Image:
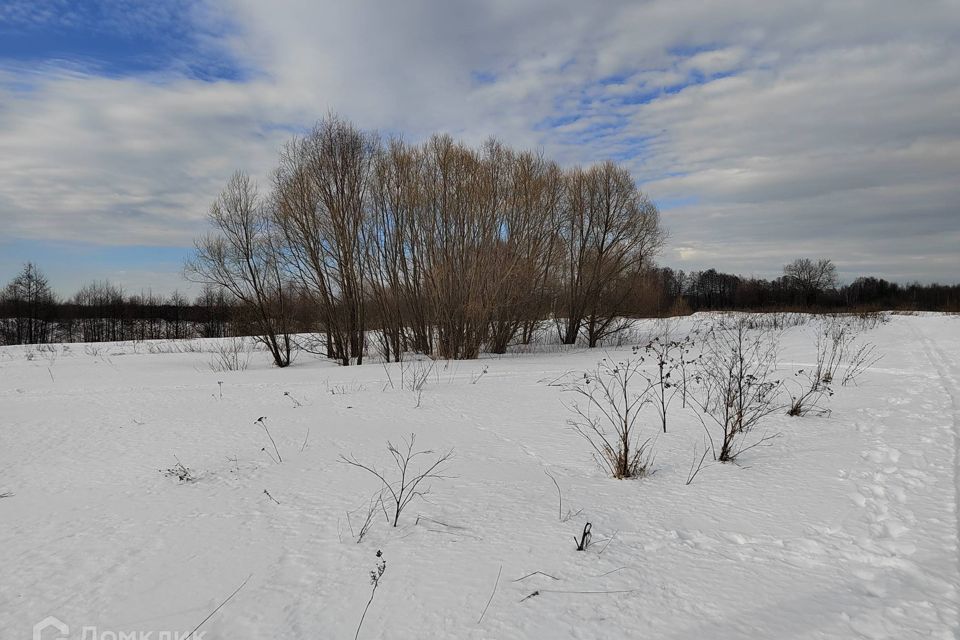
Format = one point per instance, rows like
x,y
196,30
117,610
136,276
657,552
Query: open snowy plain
x,y
843,526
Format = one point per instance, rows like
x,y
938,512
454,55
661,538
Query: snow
x,y
844,526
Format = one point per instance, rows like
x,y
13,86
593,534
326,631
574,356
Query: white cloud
x,y
842,113
124,161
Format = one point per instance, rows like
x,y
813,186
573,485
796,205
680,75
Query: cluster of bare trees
x,y
810,285
31,313
26,304
437,248
810,278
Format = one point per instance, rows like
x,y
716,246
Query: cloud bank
x,y
764,131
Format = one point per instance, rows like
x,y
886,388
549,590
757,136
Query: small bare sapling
x,y
812,385
612,397
410,483
862,359
368,512
671,358
837,349
414,376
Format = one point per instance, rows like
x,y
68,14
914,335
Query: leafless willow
x,y
320,194
610,232
243,255
437,248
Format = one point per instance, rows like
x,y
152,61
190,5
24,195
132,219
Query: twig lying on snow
x,y
190,635
270,496
553,383
590,592
602,575
495,585
442,524
536,573
608,542
453,533
539,591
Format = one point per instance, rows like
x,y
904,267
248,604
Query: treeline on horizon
x,y
103,312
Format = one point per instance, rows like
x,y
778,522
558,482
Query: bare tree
x,y
462,200
396,253
100,304
244,257
526,254
809,278
29,300
216,312
610,233
177,326
320,194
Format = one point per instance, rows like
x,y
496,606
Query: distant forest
x,y
30,313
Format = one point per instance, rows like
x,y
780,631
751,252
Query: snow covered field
x,y
845,526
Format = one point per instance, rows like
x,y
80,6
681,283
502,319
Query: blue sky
x,y
825,129
70,265
114,38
